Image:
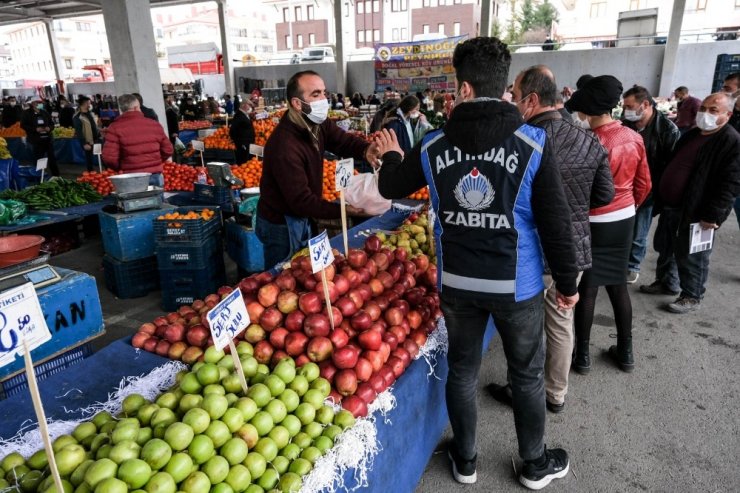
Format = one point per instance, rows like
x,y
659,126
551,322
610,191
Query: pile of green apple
x,y
204,435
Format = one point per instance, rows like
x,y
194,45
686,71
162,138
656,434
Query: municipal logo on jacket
x,y
484,227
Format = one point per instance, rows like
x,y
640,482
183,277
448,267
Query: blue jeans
x,y
275,241
643,219
156,180
737,210
677,269
522,334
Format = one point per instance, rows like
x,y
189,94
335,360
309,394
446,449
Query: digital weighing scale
x,y
140,201
37,271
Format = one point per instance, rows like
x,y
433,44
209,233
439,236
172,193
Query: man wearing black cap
x,y
38,126
498,194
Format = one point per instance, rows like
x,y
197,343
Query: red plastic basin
x,y
17,249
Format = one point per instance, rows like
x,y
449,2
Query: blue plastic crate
x,y
244,248
190,256
55,364
187,230
211,194
130,236
182,287
132,279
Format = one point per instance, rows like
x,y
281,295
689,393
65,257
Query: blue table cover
x,y
69,151
186,136
20,149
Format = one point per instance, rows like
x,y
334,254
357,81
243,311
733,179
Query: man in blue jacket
x,y
499,203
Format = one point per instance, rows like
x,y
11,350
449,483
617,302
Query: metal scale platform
x,y
37,271
140,201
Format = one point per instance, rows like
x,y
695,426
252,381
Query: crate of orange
x,y
187,225
14,130
219,140
250,172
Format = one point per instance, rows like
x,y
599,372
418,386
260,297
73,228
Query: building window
x,y
360,36
441,3
404,34
634,4
89,61
68,63
298,14
702,4
288,43
598,9
106,62
368,35
346,9
82,26
239,33
311,39
286,14
376,35
376,5
309,12
399,5
360,7
241,47
427,3
395,34
458,2
456,29
425,29
441,28
300,41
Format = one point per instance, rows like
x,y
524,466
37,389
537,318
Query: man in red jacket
x,y
136,144
292,174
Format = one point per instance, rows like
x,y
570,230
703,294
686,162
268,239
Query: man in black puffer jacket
x,y
587,181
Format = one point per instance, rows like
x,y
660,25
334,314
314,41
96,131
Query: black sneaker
x,y
555,408
657,288
684,304
557,466
462,470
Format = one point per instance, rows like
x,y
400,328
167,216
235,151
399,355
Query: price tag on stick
x,y
344,171
256,150
322,257
199,146
97,151
23,329
41,166
227,320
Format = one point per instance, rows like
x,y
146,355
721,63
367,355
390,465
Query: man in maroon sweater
x,y
292,173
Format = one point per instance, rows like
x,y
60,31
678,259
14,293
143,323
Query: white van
x,y
318,54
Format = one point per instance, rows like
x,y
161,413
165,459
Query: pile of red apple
x,y
384,305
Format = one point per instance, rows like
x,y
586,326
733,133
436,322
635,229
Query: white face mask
x,y
581,123
706,121
632,115
319,111
414,115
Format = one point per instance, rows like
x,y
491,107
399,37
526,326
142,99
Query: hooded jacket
x,y
584,169
498,199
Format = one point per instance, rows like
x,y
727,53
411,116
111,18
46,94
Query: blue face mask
x,y
40,106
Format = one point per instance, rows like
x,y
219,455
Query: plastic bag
x,y
11,211
362,192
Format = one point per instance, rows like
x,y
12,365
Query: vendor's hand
x,y
87,147
373,155
387,141
422,118
706,225
354,211
169,160
566,302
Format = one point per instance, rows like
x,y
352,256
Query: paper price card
x,y
228,319
256,150
21,319
41,163
345,169
320,251
97,149
198,145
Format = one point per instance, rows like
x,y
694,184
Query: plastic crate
x,y
19,382
129,236
187,230
132,279
190,256
211,194
181,287
244,248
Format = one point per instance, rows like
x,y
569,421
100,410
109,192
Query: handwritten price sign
x,y
228,319
20,319
320,251
345,169
198,145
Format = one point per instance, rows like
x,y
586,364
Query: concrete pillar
x,y
133,53
485,18
670,53
223,24
56,59
340,55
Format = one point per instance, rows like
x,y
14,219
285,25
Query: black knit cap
x,y
597,96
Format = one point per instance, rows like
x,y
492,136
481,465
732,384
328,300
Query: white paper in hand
x,y
198,145
97,149
344,171
228,319
20,318
256,150
41,163
320,251
701,239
